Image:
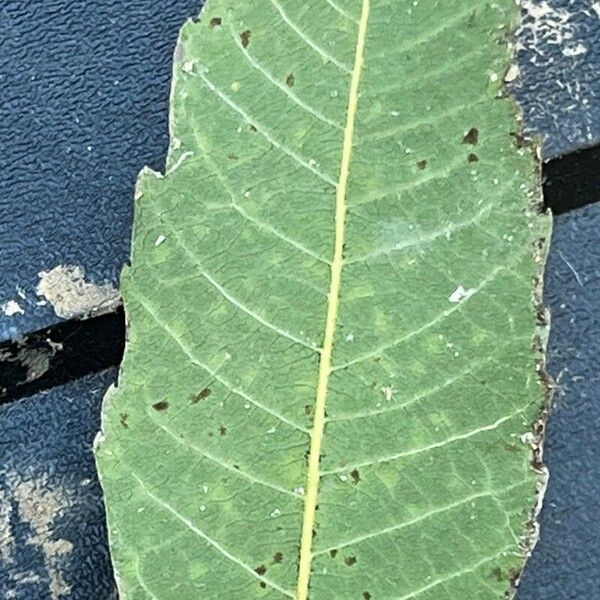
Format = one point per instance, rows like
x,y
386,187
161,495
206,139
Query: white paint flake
x,y
71,295
12,308
350,337
37,504
460,294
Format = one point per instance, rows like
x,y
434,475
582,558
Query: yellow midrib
x,y
313,477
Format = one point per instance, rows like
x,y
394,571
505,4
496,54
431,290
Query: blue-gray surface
x,y
83,108
566,562
559,83
52,525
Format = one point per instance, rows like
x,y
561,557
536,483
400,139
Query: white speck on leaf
x,y
460,294
159,240
388,392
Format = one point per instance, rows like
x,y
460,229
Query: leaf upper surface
x,y
329,364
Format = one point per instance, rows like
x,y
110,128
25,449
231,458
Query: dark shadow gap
x,y
72,349
59,354
572,181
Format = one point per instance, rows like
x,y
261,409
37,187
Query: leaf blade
x,y
234,299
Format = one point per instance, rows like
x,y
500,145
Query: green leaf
x,y
330,369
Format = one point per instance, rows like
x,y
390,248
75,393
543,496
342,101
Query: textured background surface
x,y
88,74
85,89
559,88
52,527
566,562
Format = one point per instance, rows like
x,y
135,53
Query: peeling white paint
x,y
11,308
37,504
72,296
549,25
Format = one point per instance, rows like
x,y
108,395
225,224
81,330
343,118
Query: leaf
x,y
329,366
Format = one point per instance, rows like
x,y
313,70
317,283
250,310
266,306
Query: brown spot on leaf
x,y
290,80
233,157
222,430
355,476
245,37
260,570
123,419
350,560
497,573
307,409
367,596
278,557
162,405
471,137
472,158
201,395
263,585
252,128
421,164
215,22
333,553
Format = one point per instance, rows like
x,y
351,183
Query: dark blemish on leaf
x,y
252,128
215,22
314,533
236,467
367,596
260,570
263,585
520,141
333,553
162,405
307,409
471,21
497,573
511,448
421,164
233,157
277,557
513,576
123,419
222,430
377,359
245,37
350,560
290,80
473,158
201,395
355,476
471,137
